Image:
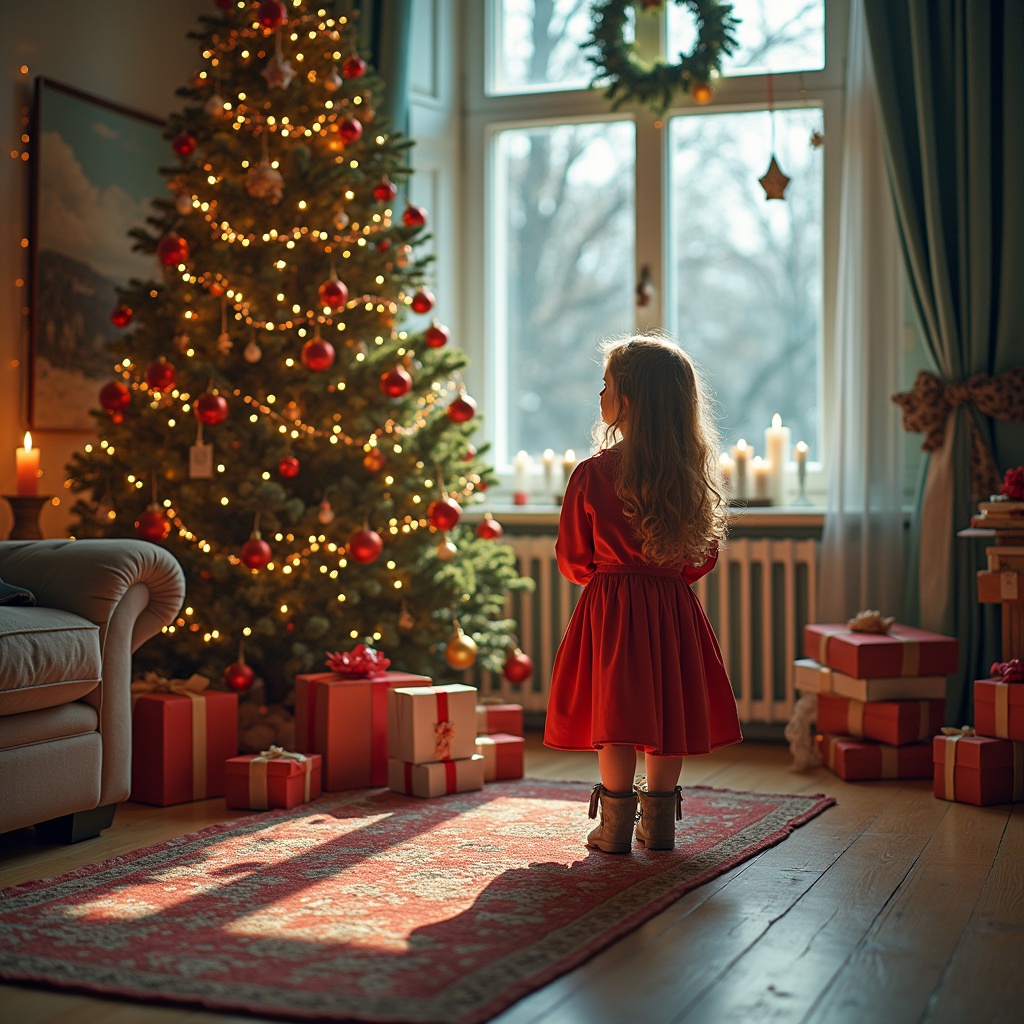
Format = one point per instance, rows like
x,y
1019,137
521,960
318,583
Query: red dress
x,y
639,663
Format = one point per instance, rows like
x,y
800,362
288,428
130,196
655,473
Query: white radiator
x,y
758,598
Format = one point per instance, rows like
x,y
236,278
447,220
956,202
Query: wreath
x,y
628,78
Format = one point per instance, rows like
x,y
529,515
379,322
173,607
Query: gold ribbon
x,y
911,650
930,402
1002,729
952,737
890,761
924,721
825,680
855,717
258,799
192,688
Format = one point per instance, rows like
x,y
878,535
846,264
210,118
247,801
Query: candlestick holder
x,y
801,498
26,509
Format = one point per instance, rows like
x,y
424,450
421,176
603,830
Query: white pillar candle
x,y
726,470
548,459
776,450
762,473
522,473
741,452
800,458
568,465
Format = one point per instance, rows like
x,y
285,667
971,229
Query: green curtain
x,y
952,99
385,27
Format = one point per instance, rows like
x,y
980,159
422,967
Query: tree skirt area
x,y
373,906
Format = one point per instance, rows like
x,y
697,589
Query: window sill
x,y
783,516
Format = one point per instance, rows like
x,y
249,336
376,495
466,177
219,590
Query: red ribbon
x,y
444,730
1011,671
360,662
450,777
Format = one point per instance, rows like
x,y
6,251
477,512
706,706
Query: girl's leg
x,y
618,767
662,773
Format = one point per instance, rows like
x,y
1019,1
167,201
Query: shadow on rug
x,y
373,906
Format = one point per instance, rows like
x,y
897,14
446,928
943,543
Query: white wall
x,y
131,52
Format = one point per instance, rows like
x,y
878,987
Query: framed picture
x,y
95,172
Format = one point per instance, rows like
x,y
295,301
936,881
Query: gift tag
x,y
1008,586
200,461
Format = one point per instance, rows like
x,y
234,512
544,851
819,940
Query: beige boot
x,y
659,813
618,815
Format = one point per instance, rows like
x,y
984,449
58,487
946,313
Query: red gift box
x,y
999,709
810,677
857,760
889,721
492,719
345,721
275,778
180,745
436,778
978,770
903,651
503,756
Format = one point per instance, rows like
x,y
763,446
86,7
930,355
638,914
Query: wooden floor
x,y
891,906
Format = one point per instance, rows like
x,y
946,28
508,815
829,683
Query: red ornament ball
x,y
414,216
385,190
365,546
423,301
211,409
437,335
160,375
317,354
444,514
461,409
289,467
172,250
272,14
396,382
238,676
121,317
489,529
350,129
354,67
383,245
153,524
115,397
183,144
255,552
333,293
518,667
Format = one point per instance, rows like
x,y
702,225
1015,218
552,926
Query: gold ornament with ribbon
x,y
461,650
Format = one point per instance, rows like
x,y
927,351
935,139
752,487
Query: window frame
x,y
484,116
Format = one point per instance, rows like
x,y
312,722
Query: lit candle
x,y
741,451
568,465
762,472
522,479
776,448
726,467
27,460
800,458
548,459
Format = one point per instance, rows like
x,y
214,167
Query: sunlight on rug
x,y
373,906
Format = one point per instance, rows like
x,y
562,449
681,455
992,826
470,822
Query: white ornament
x,y
341,220
332,80
326,513
183,203
224,343
252,352
264,182
278,73
215,106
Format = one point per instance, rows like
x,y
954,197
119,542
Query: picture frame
x,y
95,172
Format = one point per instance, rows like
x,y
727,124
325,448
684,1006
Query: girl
x,y
639,667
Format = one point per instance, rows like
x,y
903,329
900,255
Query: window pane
x,y
746,280
538,45
563,225
773,35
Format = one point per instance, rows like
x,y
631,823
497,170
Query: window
x,y
596,222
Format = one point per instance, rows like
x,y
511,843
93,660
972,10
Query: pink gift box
x,y
978,770
436,778
503,756
499,718
999,709
859,760
345,721
903,651
432,723
260,783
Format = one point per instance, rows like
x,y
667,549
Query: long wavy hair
x,y
668,472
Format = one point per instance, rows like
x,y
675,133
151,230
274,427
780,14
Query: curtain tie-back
x,y
928,404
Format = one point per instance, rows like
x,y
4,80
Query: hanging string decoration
x,y
625,77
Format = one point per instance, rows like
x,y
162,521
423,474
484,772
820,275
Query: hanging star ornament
x,y
773,181
278,73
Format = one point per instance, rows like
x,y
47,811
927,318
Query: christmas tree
x,y
285,416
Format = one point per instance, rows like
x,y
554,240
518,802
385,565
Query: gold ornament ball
x,y
701,93
446,550
461,651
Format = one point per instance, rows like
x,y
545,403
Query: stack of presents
x,y
881,690
358,727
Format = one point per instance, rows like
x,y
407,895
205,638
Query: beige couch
x,y
65,676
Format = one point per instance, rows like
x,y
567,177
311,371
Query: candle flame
x,y
741,445
28,441
776,421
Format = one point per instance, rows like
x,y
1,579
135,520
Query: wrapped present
x,y
345,721
503,718
888,721
977,770
182,735
902,651
436,778
999,702
812,677
432,723
503,756
275,778
858,760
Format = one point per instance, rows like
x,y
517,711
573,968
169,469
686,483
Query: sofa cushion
x,y
47,657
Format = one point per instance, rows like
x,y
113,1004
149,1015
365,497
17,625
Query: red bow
x,y
1009,671
361,662
444,733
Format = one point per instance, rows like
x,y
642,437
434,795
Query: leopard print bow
x,y
926,408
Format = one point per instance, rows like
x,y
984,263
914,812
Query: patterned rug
x,y
373,906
